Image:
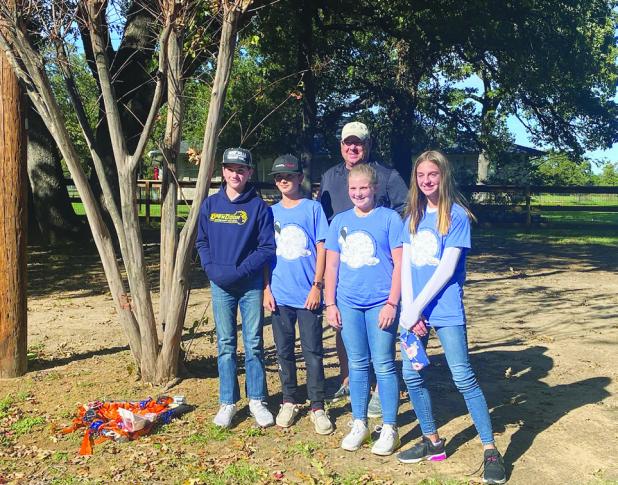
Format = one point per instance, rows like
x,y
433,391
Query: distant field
x,y
575,199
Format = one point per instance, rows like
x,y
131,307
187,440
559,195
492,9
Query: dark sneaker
x,y
425,450
493,465
374,410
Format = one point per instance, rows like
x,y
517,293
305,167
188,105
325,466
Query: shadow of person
x,y
520,399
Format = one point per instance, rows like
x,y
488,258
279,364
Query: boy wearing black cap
x,y
235,242
294,292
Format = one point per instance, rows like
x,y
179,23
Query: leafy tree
x,y
157,359
608,175
559,168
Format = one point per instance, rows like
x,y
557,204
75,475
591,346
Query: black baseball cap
x,y
286,164
238,156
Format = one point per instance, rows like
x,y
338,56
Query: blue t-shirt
x,y
297,232
426,249
364,245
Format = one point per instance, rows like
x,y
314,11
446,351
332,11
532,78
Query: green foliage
x,y
608,175
304,448
211,433
560,169
26,425
237,474
5,404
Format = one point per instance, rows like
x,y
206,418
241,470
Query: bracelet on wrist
x,y
330,304
394,305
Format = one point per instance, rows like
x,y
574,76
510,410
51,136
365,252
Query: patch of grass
x,y
53,376
59,456
304,448
65,480
352,478
34,352
236,474
254,432
546,236
211,433
442,481
26,425
5,404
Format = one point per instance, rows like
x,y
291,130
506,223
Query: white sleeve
x,y
406,285
441,276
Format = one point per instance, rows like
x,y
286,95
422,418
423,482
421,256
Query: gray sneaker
x,y
225,415
260,413
355,438
388,441
287,414
321,422
374,410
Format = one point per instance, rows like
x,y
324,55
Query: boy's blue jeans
x,y
246,294
366,343
454,342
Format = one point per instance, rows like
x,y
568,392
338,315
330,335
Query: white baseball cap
x,y
357,129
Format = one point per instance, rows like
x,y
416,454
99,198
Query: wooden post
x,y
528,207
148,188
13,271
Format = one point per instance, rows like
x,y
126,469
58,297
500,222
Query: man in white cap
x,y
356,148
391,192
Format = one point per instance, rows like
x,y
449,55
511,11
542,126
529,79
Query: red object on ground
x,y
103,421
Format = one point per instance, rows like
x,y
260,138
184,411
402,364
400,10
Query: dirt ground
x,y
543,335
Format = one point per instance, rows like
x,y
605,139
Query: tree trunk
x,y
169,185
483,167
55,218
309,106
167,365
13,197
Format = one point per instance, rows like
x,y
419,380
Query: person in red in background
x,y
156,173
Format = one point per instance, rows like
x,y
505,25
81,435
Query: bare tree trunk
x,y
13,183
168,358
482,167
169,185
53,213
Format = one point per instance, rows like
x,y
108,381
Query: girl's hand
x,y
333,317
419,328
313,299
269,300
386,316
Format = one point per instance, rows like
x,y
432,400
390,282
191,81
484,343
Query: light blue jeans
x,y
365,342
246,294
454,342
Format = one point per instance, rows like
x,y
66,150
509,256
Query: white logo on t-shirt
x,y
291,241
424,248
357,249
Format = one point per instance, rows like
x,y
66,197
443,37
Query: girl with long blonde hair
x,y
436,239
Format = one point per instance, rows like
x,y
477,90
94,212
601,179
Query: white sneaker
x,y
286,415
260,413
225,415
321,422
388,441
355,438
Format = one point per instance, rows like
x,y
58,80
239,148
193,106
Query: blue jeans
x,y
246,294
366,343
454,342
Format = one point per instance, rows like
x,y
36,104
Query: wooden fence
x,y
526,200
